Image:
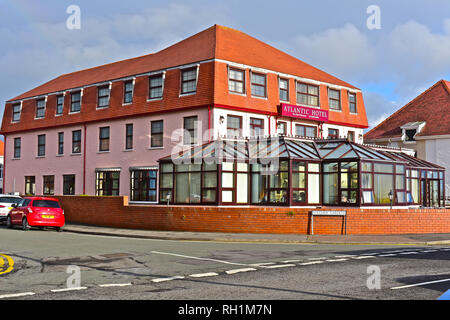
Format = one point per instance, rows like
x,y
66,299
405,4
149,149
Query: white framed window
x,y
17,111
103,96
258,85
189,80
307,94
284,89
334,97
156,86
236,80
40,108
59,104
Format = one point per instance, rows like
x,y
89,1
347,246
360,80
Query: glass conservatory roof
x,y
294,148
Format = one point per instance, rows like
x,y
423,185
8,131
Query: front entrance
x,y
431,193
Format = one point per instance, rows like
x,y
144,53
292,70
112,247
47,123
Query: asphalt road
x,y
127,268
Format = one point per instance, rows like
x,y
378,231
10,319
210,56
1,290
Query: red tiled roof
x,y
432,106
215,42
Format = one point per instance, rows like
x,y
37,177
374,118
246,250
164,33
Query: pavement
x,y
397,239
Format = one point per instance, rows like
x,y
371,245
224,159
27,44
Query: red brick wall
x,y
115,212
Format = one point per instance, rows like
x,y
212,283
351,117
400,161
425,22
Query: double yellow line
x,y
9,265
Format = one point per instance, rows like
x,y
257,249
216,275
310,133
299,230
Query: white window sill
x,y
155,148
354,113
154,99
128,150
100,152
259,97
60,155
187,94
102,108
127,104
16,158
334,110
75,112
40,157
39,118
58,115
75,154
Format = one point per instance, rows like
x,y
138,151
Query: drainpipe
x,y
209,123
84,161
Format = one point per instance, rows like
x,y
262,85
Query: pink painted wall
x,y
141,155
52,164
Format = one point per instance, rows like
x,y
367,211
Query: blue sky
x,y
391,65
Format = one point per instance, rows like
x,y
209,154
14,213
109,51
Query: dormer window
x,y
411,129
17,108
75,101
40,108
409,135
103,97
189,81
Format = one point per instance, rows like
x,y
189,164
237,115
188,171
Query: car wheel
x,y
8,222
59,229
25,225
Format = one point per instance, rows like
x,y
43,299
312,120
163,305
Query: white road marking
x,y
428,251
262,264
411,252
167,279
363,257
16,295
388,255
322,258
309,263
336,260
345,256
201,275
420,284
290,261
197,258
280,266
69,289
114,285
239,270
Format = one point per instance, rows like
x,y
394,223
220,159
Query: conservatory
x,y
288,171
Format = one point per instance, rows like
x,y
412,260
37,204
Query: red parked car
x,y
36,212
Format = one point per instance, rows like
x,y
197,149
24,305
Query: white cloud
x,y
378,108
344,51
34,53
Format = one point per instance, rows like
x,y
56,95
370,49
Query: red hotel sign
x,y
288,110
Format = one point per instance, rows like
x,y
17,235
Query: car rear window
x,y
10,200
45,204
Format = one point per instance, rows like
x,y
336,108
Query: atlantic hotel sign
x,y
292,111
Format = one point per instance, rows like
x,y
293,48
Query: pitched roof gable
x,y
431,106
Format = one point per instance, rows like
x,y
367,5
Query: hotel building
x,y
120,128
